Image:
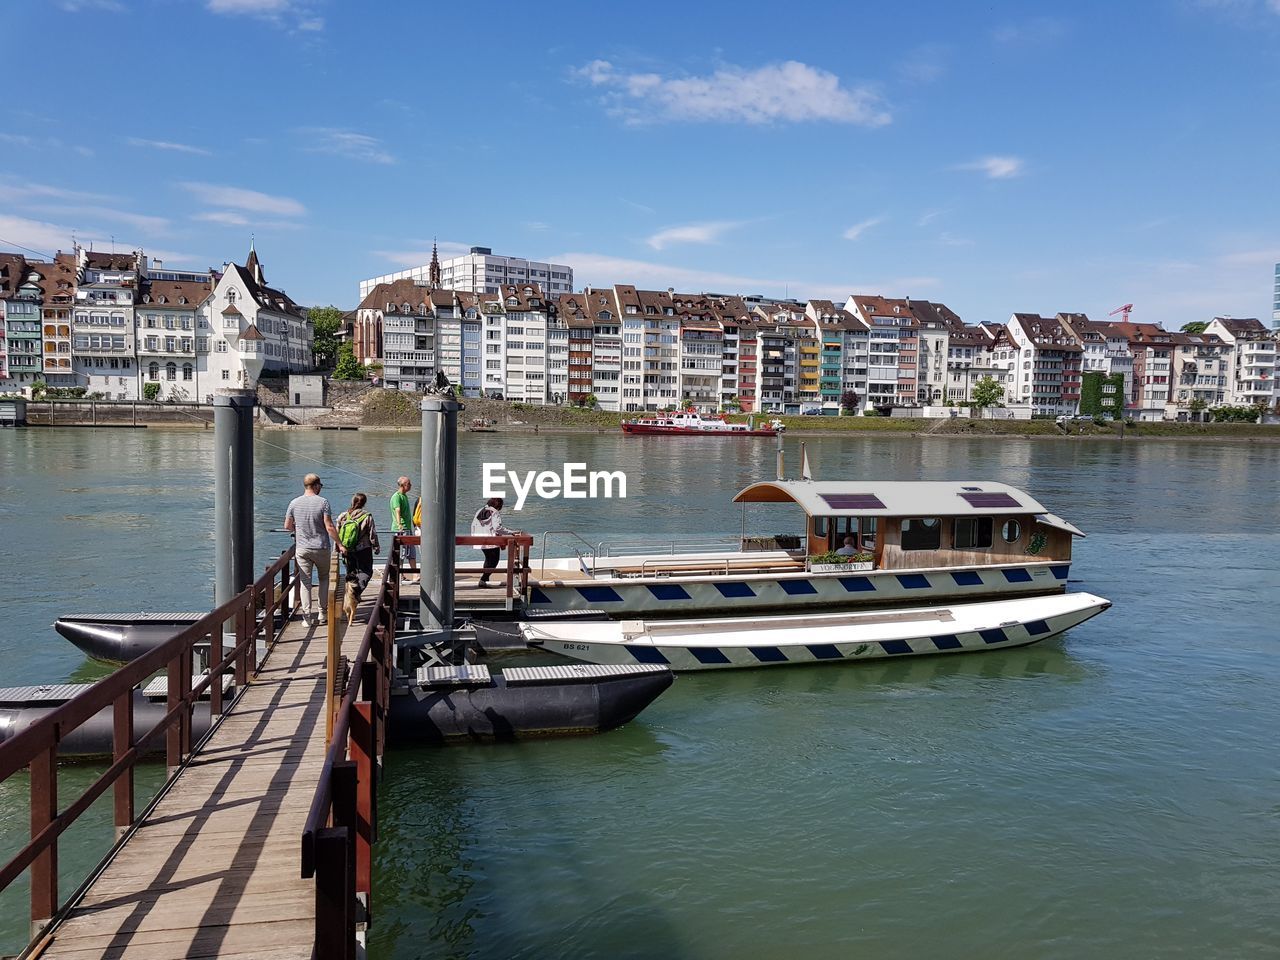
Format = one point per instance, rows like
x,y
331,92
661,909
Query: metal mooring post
x,y
232,496
439,512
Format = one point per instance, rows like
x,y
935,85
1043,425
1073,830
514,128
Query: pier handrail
x,y
37,746
513,544
337,839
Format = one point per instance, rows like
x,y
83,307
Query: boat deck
x,y
213,870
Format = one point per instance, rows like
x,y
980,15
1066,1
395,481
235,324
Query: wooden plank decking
x,y
214,870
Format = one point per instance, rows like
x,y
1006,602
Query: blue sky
x,y
998,157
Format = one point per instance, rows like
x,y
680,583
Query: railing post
x,y
184,686
333,696
361,751
245,621
121,741
216,672
335,922
44,808
173,735
345,805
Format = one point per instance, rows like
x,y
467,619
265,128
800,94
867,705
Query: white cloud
x,y
1252,258
36,234
167,145
296,14
254,8
789,92
345,143
100,215
421,253
24,191
929,216
996,167
858,229
229,218
603,270
224,217
951,240
238,198
692,233
1035,32
76,6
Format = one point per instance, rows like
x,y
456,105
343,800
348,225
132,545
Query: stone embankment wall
x,y
116,413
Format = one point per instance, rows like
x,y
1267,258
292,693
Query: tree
x,y
986,392
589,401
326,324
1197,404
849,401
151,392
1195,326
348,367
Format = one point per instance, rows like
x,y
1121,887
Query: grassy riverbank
x,y
386,408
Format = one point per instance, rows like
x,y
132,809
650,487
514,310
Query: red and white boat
x,y
695,424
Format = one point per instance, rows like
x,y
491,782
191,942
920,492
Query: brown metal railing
x,y
516,546
273,595
341,827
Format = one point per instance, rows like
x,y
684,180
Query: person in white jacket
x,y
488,523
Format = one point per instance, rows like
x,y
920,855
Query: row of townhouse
x,y
113,323
638,350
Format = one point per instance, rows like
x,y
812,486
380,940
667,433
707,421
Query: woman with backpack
x,y
358,534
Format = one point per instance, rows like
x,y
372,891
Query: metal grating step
x,y
578,672
158,689
463,675
40,693
139,617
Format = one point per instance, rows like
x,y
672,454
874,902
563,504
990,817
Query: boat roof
x,y
928,498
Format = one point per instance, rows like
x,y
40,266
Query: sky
x,y
996,157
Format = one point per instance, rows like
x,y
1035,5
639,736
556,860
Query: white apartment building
x,y
481,271
173,333
524,343
1251,378
102,322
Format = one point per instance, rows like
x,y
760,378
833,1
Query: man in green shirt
x,y
402,516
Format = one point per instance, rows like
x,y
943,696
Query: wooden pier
x,y
260,843
212,869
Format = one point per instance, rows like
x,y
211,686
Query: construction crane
x,y
1124,311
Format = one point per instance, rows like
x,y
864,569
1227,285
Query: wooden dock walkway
x,y
213,870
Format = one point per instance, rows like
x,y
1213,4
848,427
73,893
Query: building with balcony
x,y
1201,373
481,271
1042,360
57,283
1251,379
21,361
102,348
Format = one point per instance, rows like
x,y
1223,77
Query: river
x,y
1112,793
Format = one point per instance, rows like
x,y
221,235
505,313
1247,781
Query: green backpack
x,y
350,529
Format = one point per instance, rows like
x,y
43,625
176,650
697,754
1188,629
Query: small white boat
x,y
817,638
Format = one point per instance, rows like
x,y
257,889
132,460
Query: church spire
x,y
433,272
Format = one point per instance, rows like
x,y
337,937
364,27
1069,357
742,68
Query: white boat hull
x,y
737,594
817,638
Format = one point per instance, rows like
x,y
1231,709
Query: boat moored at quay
x,y
913,543
692,424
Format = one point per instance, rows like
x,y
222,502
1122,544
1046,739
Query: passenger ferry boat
x,y
690,423
919,543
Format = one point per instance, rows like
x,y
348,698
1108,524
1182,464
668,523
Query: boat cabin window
x,y
972,533
1011,531
822,525
862,529
921,533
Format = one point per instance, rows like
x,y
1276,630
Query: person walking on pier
x,y
311,522
402,516
357,532
488,523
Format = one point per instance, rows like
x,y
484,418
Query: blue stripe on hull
x,y
709,655
801,593
668,591
644,654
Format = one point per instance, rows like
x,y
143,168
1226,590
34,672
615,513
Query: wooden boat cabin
x,y
923,524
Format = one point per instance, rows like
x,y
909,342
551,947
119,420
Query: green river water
x,y
1113,793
